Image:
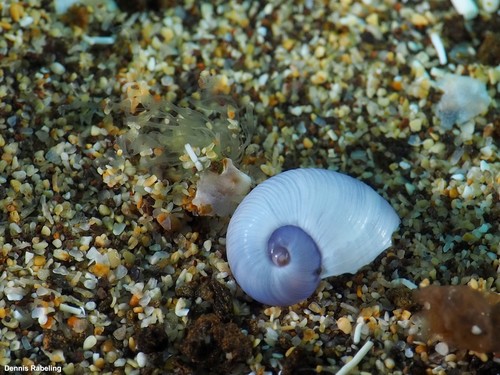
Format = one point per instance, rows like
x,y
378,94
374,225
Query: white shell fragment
x,y
463,99
181,308
55,356
489,6
14,293
220,194
89,342
467,8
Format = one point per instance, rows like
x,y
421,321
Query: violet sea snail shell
x,y
303,225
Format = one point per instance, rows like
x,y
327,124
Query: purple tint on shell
x,y
285,241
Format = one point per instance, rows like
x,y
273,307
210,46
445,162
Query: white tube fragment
x,y
192,155
360,322
71,309
349,366
99,40
467,8
439,46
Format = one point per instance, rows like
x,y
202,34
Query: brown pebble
x,y
401,297
186,290
54,340
489,51
210,343
107,346
77,15
151,339
205,291
297,361
223,301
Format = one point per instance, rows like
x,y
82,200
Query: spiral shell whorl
x,y
347,221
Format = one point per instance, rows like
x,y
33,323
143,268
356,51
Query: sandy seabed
x,y
111,113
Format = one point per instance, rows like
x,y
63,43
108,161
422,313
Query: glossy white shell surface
x,y
350,223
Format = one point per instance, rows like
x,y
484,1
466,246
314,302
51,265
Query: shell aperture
x,y
302,223
289,237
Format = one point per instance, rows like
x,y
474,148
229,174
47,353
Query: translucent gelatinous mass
x,y
463,99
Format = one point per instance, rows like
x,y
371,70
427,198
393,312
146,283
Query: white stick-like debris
x,y
78,311
360,322
349,366
192,155
99,40
439,46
